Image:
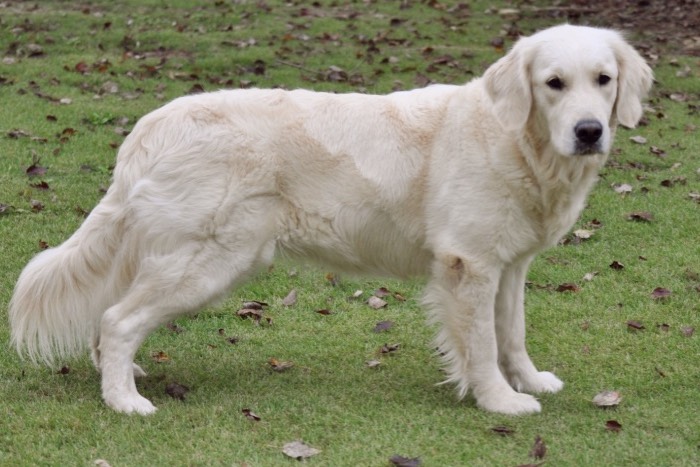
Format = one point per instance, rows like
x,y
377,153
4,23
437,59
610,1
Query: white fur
x,y
464,184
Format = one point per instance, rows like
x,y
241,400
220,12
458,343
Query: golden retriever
x,y
462,184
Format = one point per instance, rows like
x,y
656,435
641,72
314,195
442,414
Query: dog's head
x,y
573,83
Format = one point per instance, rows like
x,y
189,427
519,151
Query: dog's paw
x,y
131,404
542,381
509,403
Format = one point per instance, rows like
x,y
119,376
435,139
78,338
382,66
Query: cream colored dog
x,y
463,184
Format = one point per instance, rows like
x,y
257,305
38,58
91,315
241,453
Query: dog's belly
x,y
354,240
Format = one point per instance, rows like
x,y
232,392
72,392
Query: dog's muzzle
x,y
588,134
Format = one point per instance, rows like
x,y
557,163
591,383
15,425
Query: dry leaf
x,y
688,331
613,425
279,365
376,302
250,415
299,450
568,287
660,293
607,399
383,326
635,325
623,188
539,449
373,363
400,461
638,139
177,391
290,299
160,357
502,430
589,276
583,234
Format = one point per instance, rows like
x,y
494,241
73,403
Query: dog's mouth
x,y
587,149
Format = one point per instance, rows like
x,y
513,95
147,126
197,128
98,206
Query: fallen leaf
x,y
160,357
638,139
400,461
383,326
583,234
176,391
299,450
660,293
589,276
324,312
376,302
389,348
382,292
623,188
101,463
64,370
607,399
613,425
254,305
290,299
279,365
253,313
640,216
635,325
373,363
250,415
616,265
539,449
36,170
664,327
502,430
688,331
568,287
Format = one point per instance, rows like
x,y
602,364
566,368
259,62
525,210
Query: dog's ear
x,y
508,85
634,82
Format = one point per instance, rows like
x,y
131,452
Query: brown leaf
x,y
635,325
383,326
568,287
373,363
160,357
389,348
250,415
400,461
502,430
660,293
613,425
616,265
36,170
539,449
64,370
279,365
176,391
36,205
688,331
252,313
254,305
382,292
640,216
324,312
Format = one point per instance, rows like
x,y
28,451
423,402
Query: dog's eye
x,y
603,79
555,83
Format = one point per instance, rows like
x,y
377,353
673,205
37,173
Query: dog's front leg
x,y
510,331
461,296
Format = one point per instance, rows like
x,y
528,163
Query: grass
x,y
153,51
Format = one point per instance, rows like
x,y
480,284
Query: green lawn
x,y
76,77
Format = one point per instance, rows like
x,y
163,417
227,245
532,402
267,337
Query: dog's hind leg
x,y
192,275
461,297
510,331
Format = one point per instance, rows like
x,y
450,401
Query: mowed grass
x,y
76,77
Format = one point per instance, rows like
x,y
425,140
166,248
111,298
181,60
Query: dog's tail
x,y
62,293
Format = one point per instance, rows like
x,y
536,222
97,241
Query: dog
x,y
462,184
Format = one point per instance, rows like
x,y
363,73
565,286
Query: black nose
x,y
588,131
